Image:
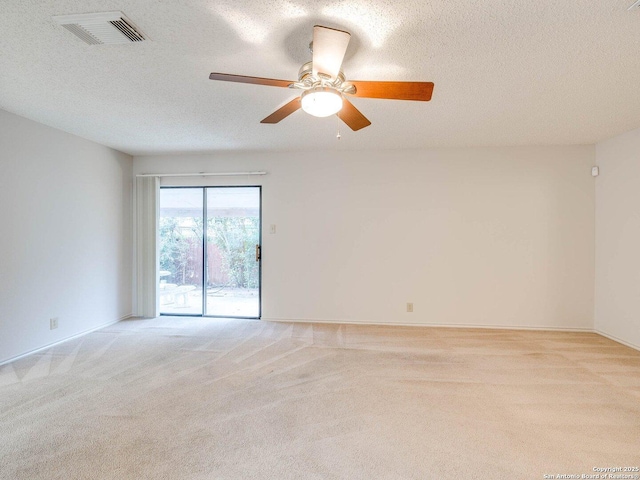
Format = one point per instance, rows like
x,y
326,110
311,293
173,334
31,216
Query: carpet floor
x,y
193,398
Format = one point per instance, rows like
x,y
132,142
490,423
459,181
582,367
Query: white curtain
x,y
147,209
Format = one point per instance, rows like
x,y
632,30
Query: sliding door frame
x,y
204,252
205,267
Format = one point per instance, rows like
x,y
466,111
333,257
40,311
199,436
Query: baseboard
x,y
354,322
619,340
438,325
49,345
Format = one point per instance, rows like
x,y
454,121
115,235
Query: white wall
x,y
617,312
479,236
65,241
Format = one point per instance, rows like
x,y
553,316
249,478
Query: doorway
x,y
210,259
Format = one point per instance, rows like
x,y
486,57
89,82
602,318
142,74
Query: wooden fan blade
x,y
271,82
329,47
420,91
352,116
283,112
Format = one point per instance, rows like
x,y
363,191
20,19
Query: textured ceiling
x,y
506,72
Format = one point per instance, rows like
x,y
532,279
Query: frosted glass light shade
x,y
321,101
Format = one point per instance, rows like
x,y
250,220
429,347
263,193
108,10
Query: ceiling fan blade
x,y
352,116
420,91
283,112
226,77
329,47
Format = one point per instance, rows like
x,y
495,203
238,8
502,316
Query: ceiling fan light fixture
x,y
321,101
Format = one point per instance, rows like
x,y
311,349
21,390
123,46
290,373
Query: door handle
x,y
258,253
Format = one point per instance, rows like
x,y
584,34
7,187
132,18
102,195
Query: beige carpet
x,y
181,398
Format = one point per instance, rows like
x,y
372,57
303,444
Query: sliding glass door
x,y
210,251
233,252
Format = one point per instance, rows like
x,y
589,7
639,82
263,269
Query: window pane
x,y
233,231
181,230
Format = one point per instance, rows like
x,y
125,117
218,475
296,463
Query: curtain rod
x,y
200,174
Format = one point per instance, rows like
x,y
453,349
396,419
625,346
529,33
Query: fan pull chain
x,y
338,136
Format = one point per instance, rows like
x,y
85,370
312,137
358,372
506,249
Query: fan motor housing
x,y
306,71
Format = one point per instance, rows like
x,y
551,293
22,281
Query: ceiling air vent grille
x,y
127,29
101,28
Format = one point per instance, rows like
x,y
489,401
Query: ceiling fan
x,y
325,87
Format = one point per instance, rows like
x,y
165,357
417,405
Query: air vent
x,y
101,28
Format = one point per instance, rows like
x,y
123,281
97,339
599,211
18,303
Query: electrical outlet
x,y
410,307
53,323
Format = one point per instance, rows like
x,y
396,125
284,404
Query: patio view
x,y
208,262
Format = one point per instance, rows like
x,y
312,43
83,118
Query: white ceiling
x,y
506,72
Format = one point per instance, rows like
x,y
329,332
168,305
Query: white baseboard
x,y
489,327
438,325
355,322
49,345
619,340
